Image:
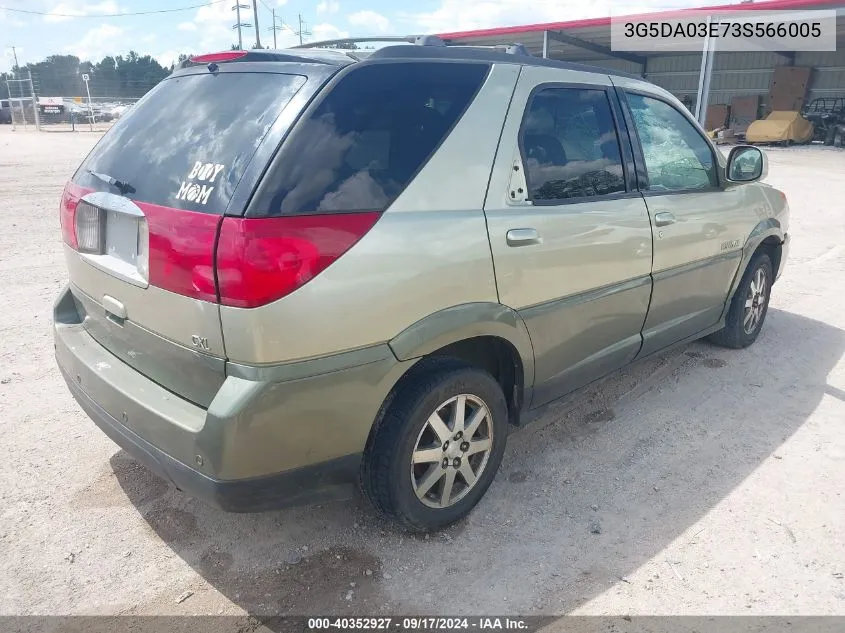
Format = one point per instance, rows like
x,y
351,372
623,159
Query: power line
x,y
112,15
279,24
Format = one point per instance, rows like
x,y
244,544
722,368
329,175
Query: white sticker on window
x,y
199,184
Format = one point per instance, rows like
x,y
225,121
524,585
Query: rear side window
x,y
569,145
368,138
187,144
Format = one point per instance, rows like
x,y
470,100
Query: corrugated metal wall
x,y
616,64
737,74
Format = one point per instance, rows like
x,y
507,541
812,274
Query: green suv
x,y
296,271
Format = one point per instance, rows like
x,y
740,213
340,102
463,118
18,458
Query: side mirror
x,y
746,163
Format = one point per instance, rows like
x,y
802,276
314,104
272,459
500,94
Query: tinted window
x,y
676,155
570,146
369,136
187,144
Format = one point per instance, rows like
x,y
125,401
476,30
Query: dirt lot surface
x,y
704,481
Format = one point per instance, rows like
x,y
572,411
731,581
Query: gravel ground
x,y
703,481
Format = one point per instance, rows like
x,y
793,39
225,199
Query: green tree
x,y
111,77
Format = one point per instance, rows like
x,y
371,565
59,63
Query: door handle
x,y
523,237
664,219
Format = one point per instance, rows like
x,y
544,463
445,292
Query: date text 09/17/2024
x,y
419,623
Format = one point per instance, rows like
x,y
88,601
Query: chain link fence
x,y
98,113
23,107
17,106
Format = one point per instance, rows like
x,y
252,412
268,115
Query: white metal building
x,y
733,73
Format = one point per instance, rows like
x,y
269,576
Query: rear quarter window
x,y
187,144
367,139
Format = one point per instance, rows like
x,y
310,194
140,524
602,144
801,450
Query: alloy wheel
x,y
452,451
755,302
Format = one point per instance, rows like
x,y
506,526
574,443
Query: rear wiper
x,y
123,187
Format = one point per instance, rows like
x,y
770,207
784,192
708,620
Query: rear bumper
x,y
282,437
325,481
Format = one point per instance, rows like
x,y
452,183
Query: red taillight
x,y
67,211
216,58
181,250
260,260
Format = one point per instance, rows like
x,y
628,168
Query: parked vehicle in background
x,y
5,111
103,115
119,110
365,271
827,114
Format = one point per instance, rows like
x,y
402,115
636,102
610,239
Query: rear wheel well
x,y
492,354
497,357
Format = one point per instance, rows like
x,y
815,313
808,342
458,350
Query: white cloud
x,y
328,7
214,23
464,15
62,11
106,39
372,21
326,32
168,57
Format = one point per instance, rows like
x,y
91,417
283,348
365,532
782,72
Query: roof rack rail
x,y
419,40
428,40
408,39
510,49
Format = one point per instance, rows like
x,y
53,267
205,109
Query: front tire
x,y
749,305
437,446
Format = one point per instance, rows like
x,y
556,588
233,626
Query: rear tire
x,y
427,475
749,306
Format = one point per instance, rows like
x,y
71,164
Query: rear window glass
x,y
187,144
570,146
368,138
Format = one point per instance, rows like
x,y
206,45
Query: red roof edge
x,y
770,5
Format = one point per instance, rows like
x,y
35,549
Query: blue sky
x,y
91,35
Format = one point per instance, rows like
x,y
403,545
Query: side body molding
x,y
466,321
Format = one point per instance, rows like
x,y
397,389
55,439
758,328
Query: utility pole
x,y
274,28
85,78
237,8
255,15
238,25
17,65
302,29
